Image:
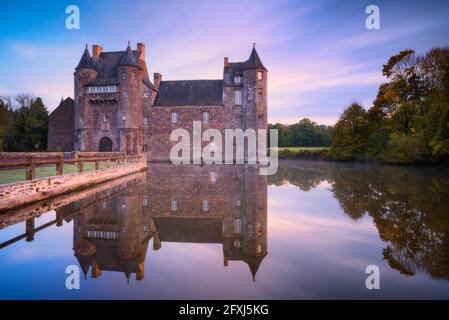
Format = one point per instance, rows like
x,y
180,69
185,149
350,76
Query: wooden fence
x,y
29,161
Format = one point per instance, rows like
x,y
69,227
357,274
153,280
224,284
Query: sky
x,y
319,54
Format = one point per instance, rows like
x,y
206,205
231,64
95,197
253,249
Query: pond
x,y
226,232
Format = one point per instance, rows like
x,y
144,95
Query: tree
x,y
29,125
350,135
5,121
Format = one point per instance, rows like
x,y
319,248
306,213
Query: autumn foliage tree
x,y
409,119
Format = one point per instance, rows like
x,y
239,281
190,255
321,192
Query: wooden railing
x,y
29,161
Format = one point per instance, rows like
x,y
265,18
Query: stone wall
x,y
17,194
156,135
61,127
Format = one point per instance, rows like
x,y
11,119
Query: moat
x,y
225,232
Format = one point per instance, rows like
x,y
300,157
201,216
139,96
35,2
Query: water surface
x,y
225,232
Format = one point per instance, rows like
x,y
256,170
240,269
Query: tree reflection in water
x,y
408,205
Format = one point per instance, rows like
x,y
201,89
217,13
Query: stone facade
x,y
117,107
61,129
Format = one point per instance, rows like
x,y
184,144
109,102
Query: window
x,y
145,120
213,177
238,203
206,117
174,205
259,228
260,95
123,76
102,89
105,118
146,94
145,202
237,80
260,118
125,93
205,205
237,225
105,204
259,248
237,244
174,117
259,75
144,148
123,116
238,97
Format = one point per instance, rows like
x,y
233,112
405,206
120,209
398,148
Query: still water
x,y
225,232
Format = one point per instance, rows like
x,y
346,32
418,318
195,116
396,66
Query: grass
x,y
8,176
309,153
299,149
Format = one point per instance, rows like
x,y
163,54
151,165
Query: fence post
x,y
30,169
96,165
80,165
29,229
60,166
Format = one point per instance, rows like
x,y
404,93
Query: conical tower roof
x,y
254,61
84,262
254,263
128,58
86,61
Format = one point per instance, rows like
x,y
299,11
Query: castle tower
x,y
85,73
254,92
130,107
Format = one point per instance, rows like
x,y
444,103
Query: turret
x,y
130,104
255,91
85,73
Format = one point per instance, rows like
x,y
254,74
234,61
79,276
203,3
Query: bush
x,y
403,148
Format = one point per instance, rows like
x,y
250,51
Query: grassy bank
x,y
310,153
8,176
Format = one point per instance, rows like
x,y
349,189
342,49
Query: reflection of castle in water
x,y
198,204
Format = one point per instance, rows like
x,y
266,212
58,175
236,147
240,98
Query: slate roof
x,y
237,68
107,66
129,59
190,93
172,229
254,61
85,61
64,106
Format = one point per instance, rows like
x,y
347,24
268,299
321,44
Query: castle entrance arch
x,y
105,145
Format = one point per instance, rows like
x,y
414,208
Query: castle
x,y
216,204
117,107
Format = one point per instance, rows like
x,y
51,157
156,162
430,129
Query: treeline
x,y
409,119
305,133
23,123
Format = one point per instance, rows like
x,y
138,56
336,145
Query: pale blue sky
x,y
319,54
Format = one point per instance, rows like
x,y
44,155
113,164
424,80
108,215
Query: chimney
x,y
141,48
226,61
96,51
157,79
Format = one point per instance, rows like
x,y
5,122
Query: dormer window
x,y
237,79
259,75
